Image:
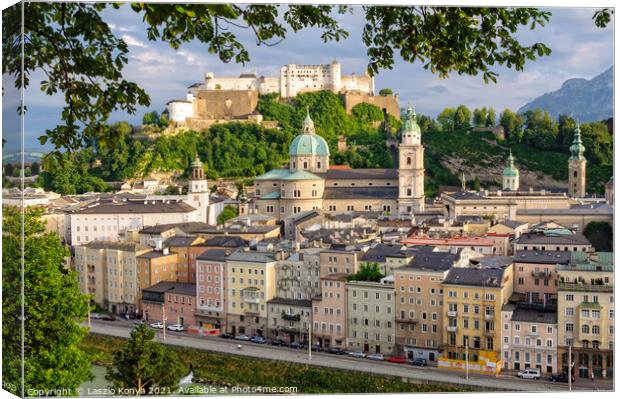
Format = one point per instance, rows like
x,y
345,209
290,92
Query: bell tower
x,y
198,193
410,166
577,167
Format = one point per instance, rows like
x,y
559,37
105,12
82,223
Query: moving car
x,y
257,339
242,337
226,336
529,374
397,359
357,354
563,377
418,362
176,327
157,324
376,356
278,342
335,350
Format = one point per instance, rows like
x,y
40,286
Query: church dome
x,y
410,123
308,142
510,170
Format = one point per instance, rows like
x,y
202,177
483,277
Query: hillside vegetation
x,y
539,144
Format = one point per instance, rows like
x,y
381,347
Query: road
x,y
504,382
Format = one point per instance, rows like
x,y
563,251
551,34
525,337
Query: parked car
x,y
226,336
529,374
563,377
139,321
317,348
296,345
157,324
335,350
397,359
242,337
358,354
278,342
108,317
95,316
257,339
176,327
418,362
376,356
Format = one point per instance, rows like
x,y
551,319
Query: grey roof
x,y
252,256
305,303
543,257
553,239
137,207
225,241
513,224
483,277
439,261
467,195
360,174
493,261
186,227
116,245
179,241
239,229
173,287
593,209
381,251
360,193
215,254
547,316
155,254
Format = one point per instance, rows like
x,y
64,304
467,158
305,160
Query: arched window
x,y
408,160
575,174
305,164
596,330
585,329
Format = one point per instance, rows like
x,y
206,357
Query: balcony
x,y
250,295
452,313
452,329
563,286
541,273
407,321
489,333
251,312
489,316
290,317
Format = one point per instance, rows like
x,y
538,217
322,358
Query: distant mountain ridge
x,y
583,99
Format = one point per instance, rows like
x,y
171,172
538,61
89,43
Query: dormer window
x,y
305,164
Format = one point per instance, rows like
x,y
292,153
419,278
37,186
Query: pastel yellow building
x,y
250,282
473,298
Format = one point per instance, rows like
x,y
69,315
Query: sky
x,y
579,50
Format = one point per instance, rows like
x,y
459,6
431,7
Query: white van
x,y
532,374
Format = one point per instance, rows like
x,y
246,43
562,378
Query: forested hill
x,y
244,150
585,100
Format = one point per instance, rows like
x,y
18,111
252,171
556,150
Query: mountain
x,y
586,100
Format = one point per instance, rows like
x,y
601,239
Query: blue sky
x,y
579,49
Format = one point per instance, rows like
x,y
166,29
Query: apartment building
x,y
174,302
388,256
586,314
107,270
251,283
154,267
289,319
551,241
535,274
370,316
211,288
186,258
419,300
529,337
473,299
329,312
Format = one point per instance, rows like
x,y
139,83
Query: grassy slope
x,y
222,369
476,151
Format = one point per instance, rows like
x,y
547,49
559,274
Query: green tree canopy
x,y
54,307
601,235
83,60
462,117
386,92
490,121
480,116
228,213
143,365
367,272
446,119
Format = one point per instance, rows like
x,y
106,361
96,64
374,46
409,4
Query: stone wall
x,y
224,104
389,103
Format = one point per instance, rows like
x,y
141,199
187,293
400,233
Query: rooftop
x,y
116,245
215,254
305,303
454,241
481,277
186,227
225,241
360,192
252,256
335,174
151,206
173,287
180,241
552,239
531,315
543,257
381,251
156,254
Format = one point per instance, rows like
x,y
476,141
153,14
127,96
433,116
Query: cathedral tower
x,y
577,167
410,167
510,177
198,193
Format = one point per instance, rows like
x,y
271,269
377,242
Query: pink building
x,y
480,245
211,288
535,274
329,312
177,300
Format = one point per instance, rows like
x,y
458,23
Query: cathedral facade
x,y
310,183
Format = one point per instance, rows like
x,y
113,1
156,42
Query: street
x,y
505,382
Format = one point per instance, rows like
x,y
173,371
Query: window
x,y
570,327
585,329
570,311
570,297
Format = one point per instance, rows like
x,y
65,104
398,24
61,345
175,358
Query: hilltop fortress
x,y
224,99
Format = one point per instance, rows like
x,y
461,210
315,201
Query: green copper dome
x,y
577,149
308,142
510,170
410,123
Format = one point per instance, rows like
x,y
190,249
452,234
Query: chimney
x,y
165,251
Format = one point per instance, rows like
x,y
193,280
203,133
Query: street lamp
x,y
467,357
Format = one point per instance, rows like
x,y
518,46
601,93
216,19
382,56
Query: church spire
x,y
577,148
308,126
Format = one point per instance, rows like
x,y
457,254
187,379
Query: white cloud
x,y
132,41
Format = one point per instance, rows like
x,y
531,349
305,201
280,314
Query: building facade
x,y
211,287
170,302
